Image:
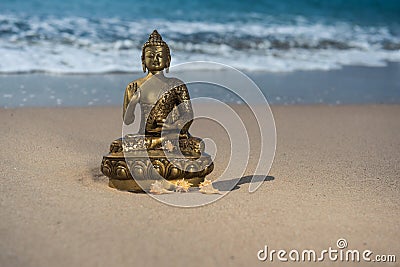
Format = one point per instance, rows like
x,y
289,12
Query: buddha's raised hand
x,y
132,91
131,98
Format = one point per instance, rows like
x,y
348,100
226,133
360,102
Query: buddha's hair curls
x,y
155,39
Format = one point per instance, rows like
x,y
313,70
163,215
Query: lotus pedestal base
x,y
138,170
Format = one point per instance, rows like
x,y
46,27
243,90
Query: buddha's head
x,y
155,54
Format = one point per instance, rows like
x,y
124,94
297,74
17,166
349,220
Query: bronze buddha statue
x,y
137,160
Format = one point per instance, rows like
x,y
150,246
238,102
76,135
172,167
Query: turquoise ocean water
x,y
55,37
88,36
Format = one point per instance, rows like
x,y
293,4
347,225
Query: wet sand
x,y
335,175
348,85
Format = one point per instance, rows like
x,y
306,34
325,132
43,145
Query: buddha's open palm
x,y
133,91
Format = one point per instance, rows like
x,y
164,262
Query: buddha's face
x,y
156,58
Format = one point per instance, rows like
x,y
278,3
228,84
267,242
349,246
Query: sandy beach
x,y
329,156
335,175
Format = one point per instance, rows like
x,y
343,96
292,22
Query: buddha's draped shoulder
x,y
172,104
177,96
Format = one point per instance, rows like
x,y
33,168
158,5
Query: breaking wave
x,y
99,45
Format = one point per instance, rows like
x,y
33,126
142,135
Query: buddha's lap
x,y
131,142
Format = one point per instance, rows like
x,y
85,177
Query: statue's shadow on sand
x,y
234,184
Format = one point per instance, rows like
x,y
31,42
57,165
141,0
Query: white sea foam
x,y
80,45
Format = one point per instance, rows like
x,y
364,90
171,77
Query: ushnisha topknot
x,y
155,39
